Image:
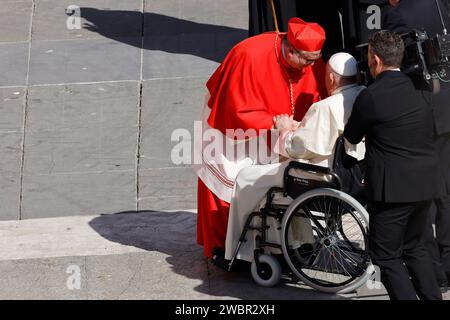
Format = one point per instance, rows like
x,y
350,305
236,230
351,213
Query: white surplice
x,y
215,165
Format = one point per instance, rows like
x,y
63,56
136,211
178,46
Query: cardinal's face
x,y
301,59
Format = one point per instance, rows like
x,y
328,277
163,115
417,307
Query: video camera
x,y
426,60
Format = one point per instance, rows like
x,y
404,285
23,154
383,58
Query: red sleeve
x,y
236,101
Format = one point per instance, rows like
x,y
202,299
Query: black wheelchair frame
x,y
277,212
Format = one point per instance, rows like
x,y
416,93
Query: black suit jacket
x,y
417,14
424,15
397,123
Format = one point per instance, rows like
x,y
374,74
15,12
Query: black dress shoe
x,y
219,260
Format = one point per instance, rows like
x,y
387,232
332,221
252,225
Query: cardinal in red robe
x,y
261,77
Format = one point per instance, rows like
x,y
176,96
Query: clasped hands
x,y
284,122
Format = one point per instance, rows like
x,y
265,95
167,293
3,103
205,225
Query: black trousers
x,y
437,240
396,243
443,232
439,246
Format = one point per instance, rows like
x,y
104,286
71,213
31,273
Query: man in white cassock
x,y
312,141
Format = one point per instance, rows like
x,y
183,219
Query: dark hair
x,y
388,46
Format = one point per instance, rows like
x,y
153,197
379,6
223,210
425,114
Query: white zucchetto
x,y
343,64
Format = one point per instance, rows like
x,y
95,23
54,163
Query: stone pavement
x,y
87,185
86,115
145,255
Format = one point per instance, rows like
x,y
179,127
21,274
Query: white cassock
x,y
313,142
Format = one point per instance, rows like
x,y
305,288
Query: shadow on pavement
x,y
163,33
174,234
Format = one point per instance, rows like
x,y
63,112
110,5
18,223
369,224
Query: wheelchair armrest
x,y
309,168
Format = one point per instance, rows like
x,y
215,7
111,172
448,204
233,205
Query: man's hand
x,y
283,122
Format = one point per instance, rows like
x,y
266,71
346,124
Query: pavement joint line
x,y
78,83
139,106
25,110
19,86
164,168
90,216
9,131
30,41
79,172
14,42
142,38
14,1
138,145
97,38
157,197
178,78
100,82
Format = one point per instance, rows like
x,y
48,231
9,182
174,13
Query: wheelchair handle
x,y
311,168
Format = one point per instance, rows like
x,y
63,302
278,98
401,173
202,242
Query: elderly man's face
x,y
329,79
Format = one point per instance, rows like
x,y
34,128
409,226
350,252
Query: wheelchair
x,y
335,258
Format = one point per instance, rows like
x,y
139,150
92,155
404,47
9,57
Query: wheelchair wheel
x,y
266,273
335,259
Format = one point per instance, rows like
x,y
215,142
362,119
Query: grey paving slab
x,y
82,128
71,61
150,275
167,189
10,149
42,279
98,19
193,39
61,195
15,19
11,122
128,255
12,102
372,291
167,232
13,63
185,55
170,267
240,285
229,13
167,106
174,267
80,150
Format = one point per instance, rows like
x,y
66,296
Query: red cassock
x,y
247,90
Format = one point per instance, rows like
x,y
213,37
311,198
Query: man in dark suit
x,y
405,16
396,121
